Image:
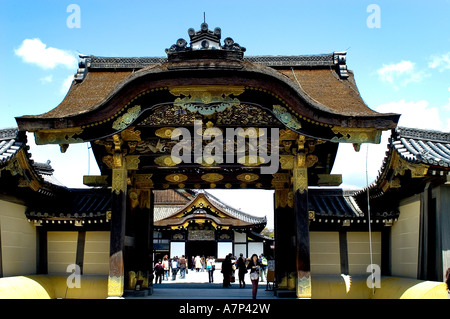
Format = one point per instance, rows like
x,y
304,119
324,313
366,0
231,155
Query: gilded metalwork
x,y
284,198
247,177
206,99
58,136
280,180
130,135
212,177
167,161
251,160
329,179
168,132
356,135
287,118
303,284
176,178
287,161
300,174
123,121
119,180
132,162
143,181
95,181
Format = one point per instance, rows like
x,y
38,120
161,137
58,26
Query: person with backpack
x,y
263,269
174,266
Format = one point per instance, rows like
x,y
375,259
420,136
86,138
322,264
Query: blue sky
x,y
402,66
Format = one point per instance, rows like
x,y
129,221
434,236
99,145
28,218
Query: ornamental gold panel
x,y
356,135
176,178
167,161
168,132
212,177
247,177
126,119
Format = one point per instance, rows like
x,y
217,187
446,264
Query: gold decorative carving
x,y
109,161
123,121
287,161
168,132
58,136
284,198
132,162
417,170
143,181
280,180
176,178
119,180
167,161
300,174
311,159
303,284
287,118
287,134
95,181
251,160
356,135
247,177
329,179
116,275
206,99
130,135
212,177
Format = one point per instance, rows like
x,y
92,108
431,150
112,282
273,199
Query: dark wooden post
x,y
285,262
300,188
117,238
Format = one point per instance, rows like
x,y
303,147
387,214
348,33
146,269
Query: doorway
x,y
200,248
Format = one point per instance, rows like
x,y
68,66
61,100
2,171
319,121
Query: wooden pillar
x,y
118,217
285,260
300,189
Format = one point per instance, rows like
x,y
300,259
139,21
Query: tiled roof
x,y
9,145
422,146
335,202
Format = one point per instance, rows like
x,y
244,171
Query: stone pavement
x,y
196,286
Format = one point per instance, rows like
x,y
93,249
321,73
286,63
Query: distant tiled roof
x,y
422,146
334,202
9,145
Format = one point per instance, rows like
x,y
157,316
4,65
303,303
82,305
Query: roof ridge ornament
x,y
204,40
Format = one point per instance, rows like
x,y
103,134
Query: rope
x,y
370,228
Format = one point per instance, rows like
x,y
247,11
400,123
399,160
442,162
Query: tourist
x,y
165,264
227,269
174,266
192,263
159,272
263,263
210,267
242,270
198,263
254,267
202,260
182,266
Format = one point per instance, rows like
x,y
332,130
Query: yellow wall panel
x,y
405,241
18,240
359,251
96,253
61,250
324,253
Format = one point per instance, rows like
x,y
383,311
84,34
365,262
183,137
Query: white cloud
x,y
35,52
401,73
441,62
414,114
66,85
47,79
